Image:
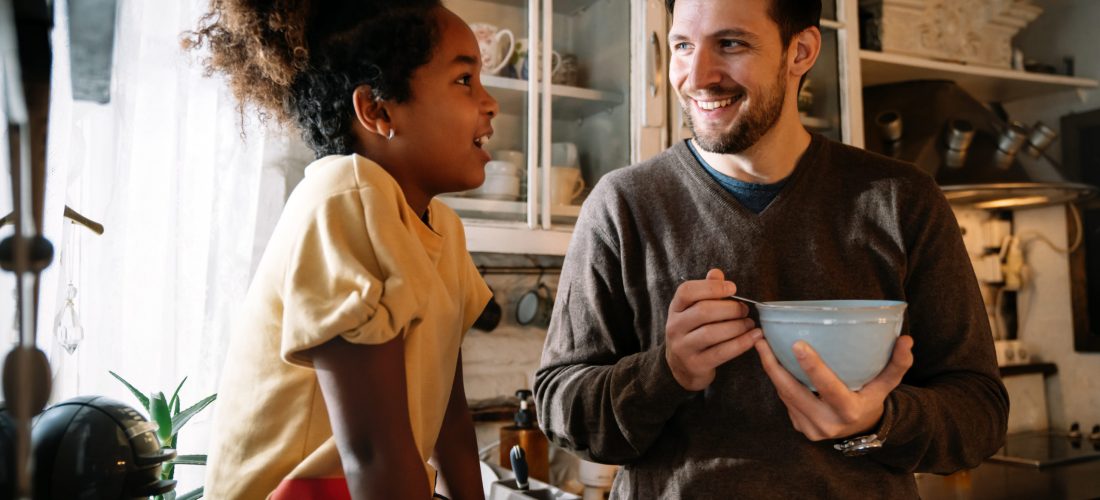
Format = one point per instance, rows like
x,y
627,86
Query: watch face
x,y
859,446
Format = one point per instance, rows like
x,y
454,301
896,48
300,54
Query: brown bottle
x,y
528,436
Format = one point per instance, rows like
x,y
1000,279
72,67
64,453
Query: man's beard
x,y
747,129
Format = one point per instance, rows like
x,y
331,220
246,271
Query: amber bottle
x,y
527,435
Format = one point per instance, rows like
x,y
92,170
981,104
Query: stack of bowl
x,y
501,182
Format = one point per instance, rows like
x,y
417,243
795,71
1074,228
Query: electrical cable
x,y
1078,237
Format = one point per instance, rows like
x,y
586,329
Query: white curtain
x,y
187,205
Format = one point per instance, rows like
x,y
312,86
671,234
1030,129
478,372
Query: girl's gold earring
x,y
391,135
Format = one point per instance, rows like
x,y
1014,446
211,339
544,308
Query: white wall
x,y
1067,27
1046,321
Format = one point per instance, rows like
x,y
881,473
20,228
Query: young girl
x,y
344,376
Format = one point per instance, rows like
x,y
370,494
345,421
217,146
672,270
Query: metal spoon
x,y
750,301
734,297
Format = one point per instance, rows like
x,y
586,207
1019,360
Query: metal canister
x,y
960,135
1012,139
889,125
1040,138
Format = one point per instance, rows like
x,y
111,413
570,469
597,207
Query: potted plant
x,y
169,419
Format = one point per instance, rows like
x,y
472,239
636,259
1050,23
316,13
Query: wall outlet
x,y
1012,352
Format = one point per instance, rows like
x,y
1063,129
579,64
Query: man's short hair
x,y
792,16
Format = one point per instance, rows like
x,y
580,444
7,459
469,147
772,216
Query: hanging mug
x,y
534,307
490,316
496,51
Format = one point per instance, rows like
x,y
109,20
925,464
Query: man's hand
x,y
705,329
836,412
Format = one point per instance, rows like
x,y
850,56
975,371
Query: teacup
x,y
496,52
522,49
566,184
564,154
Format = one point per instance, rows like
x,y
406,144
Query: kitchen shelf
x,y
473,206
501,237
568,102
987,84
1047,369
560,6
484,206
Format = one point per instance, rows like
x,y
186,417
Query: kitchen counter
x,y
1000,481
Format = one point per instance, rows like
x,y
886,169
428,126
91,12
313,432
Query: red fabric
x,y
332,488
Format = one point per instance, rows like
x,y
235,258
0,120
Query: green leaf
x,y
181,419
174,403
189,460
191,495
169,472
137,394
158,411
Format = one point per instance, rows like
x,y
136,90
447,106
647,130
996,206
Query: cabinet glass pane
x,y
590,108
819,101
503,196
828,9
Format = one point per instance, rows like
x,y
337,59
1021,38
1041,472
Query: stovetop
x,y
1049,448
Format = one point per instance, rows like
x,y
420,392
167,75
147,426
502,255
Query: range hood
x,y
915,121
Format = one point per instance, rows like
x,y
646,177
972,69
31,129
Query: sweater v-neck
x,y
792,183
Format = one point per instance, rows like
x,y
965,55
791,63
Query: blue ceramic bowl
x,y
853,337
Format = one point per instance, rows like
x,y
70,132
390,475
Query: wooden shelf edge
x,y
976,70
1047,369
566,91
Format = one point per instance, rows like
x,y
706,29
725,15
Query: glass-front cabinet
x,y
582,91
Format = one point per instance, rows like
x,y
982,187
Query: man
x,y
647,365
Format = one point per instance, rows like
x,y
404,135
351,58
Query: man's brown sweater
x,y
847,225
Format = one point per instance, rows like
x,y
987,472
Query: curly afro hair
x,y
299,61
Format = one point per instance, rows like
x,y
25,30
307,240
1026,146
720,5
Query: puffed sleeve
x,y
345,278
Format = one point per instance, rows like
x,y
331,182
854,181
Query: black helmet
x,y
93,447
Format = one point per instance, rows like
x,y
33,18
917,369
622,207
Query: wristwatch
x,y
862,445
859,446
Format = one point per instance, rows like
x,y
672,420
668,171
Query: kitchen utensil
x,y
742,299
512,156
490,316
519,467
501,182
960,136
855,338
1012,139
522,63
534,307
488,477
525,433
889,125
564,154
567,184
1040,138
566,71
496,52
